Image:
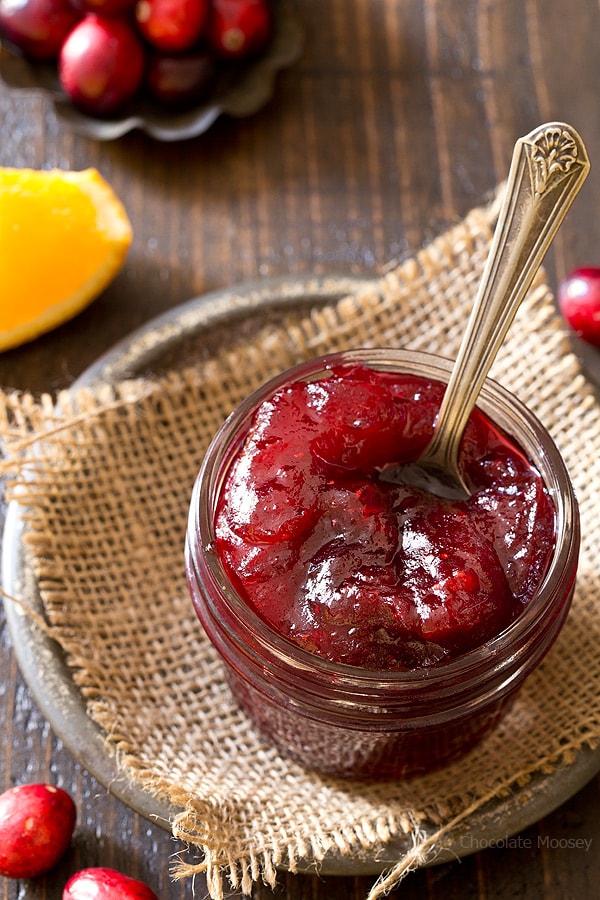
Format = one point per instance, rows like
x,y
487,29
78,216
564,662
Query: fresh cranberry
x,y
36,825
239,28
105,884
179,80
101,64
579,302
172,25
104,7
37,27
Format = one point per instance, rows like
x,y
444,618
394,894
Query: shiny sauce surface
x,y
366,572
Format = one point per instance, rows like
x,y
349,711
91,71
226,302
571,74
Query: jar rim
x,y
506,648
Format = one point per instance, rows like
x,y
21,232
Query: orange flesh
x,y
63,237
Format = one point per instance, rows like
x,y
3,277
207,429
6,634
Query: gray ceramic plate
x,y
238,92
179,337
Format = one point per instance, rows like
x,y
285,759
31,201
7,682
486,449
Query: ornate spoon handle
x,y
548,167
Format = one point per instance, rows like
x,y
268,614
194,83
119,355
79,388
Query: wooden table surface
x,y
398,118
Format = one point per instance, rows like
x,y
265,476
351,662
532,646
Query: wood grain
x,y
399,117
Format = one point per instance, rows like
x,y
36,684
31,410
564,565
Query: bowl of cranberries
x,y
368,628
169,68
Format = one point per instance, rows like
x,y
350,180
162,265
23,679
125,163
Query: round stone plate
x,y
177,338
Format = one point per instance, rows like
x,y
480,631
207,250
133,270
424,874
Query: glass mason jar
x,y
364,723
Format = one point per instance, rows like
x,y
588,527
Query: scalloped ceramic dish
x,y
176,339
239,92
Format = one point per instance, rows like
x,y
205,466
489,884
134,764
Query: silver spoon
x,y
548,168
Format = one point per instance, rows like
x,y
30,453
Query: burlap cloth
x,y
105,475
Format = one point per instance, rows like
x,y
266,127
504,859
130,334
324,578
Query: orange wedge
x,y
64,237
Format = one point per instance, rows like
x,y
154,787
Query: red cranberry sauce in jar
x,y
362,571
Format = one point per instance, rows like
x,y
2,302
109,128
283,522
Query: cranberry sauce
x,y
361,571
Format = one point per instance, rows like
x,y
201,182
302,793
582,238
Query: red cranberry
x,y
37,27
172,25
105,884
239,28
579,302
101,64
104,7
179,80
36,825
